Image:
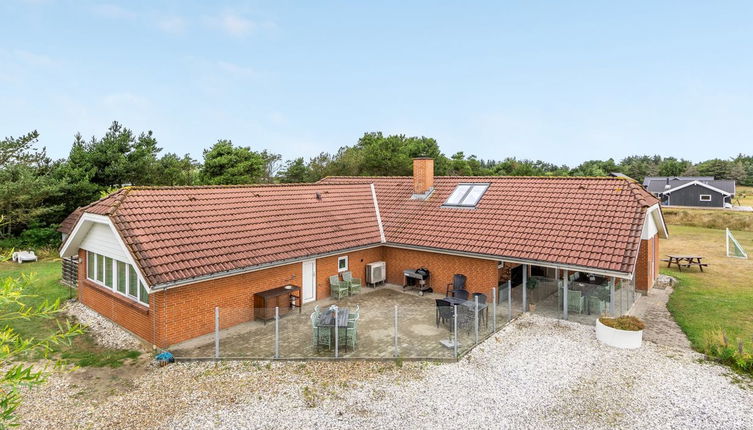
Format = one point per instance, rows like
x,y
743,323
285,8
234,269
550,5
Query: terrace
x,y
393,322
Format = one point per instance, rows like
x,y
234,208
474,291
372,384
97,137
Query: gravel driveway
x,y
535,373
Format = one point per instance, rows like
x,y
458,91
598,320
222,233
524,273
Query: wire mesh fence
x,y
365,327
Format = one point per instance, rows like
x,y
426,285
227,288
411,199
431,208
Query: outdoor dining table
x,y
483,308
686,261
327,320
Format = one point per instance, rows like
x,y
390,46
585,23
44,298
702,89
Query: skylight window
x,y
466,195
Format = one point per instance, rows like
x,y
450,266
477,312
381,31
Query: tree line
x,y
37,192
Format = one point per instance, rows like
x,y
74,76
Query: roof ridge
x,y
610,178
225,187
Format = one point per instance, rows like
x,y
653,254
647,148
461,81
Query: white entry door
x,y
309,280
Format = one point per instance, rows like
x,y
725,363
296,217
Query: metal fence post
x,y
509,300
494,310
475,316
525,288
216,332
277,332
397,348
455,330
337,335
565,287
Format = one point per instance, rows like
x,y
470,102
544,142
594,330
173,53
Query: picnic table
x,y
685,261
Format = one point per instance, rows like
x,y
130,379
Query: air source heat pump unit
x,y
376,273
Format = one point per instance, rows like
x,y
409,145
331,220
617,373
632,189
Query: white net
x,y
734,249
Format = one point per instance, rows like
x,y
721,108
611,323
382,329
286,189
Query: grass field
x,y
745,196
46,286
709,218
721,298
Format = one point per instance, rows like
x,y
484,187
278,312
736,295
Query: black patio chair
x,y
444,312
481,298
458,283
460,294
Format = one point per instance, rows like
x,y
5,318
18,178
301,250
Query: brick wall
x,y
482,274
357,261
188,311
647,266
129,314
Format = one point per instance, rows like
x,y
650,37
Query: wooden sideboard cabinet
x,y
286,298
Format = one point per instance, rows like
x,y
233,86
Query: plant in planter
x,y
622,332
531,284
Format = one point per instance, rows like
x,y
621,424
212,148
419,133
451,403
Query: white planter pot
x,y
625,339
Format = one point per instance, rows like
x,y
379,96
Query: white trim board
x,y
621,275
378,214
697,183
81,231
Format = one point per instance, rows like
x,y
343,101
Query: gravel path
x,y
535,373
104,331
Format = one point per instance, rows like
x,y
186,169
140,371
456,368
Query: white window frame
x,y
115,276
705,197
339,259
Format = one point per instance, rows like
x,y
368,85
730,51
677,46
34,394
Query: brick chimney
x,y
423,177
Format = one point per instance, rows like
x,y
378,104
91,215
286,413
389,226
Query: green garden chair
x,y
337,288
354,315
354,284
314,329
575,302
349,336
596,305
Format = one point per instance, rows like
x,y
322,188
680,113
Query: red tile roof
x,y
179,233
589,222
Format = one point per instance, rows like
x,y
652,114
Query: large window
x,y
108,272
466,195
122,277
91,264
132,282
116,275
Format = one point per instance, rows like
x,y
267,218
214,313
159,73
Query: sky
x,y
559,81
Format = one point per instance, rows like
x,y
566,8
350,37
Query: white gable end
x,y
101,240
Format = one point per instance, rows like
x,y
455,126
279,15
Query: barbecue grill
x,y
417,279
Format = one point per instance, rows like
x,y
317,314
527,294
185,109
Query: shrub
x,y
625,322
40,236
736,354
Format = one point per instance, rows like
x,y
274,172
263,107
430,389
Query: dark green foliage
x,y
225,164
39,192
36,236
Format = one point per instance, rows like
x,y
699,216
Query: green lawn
x,y
721,298
744,196
46,286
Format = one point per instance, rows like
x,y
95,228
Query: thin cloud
x,y
172,25
235,69
235,25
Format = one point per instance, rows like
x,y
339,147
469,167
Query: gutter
x,y
218,275
621,275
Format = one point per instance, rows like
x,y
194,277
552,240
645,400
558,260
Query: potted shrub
x,y
531,284
622,332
